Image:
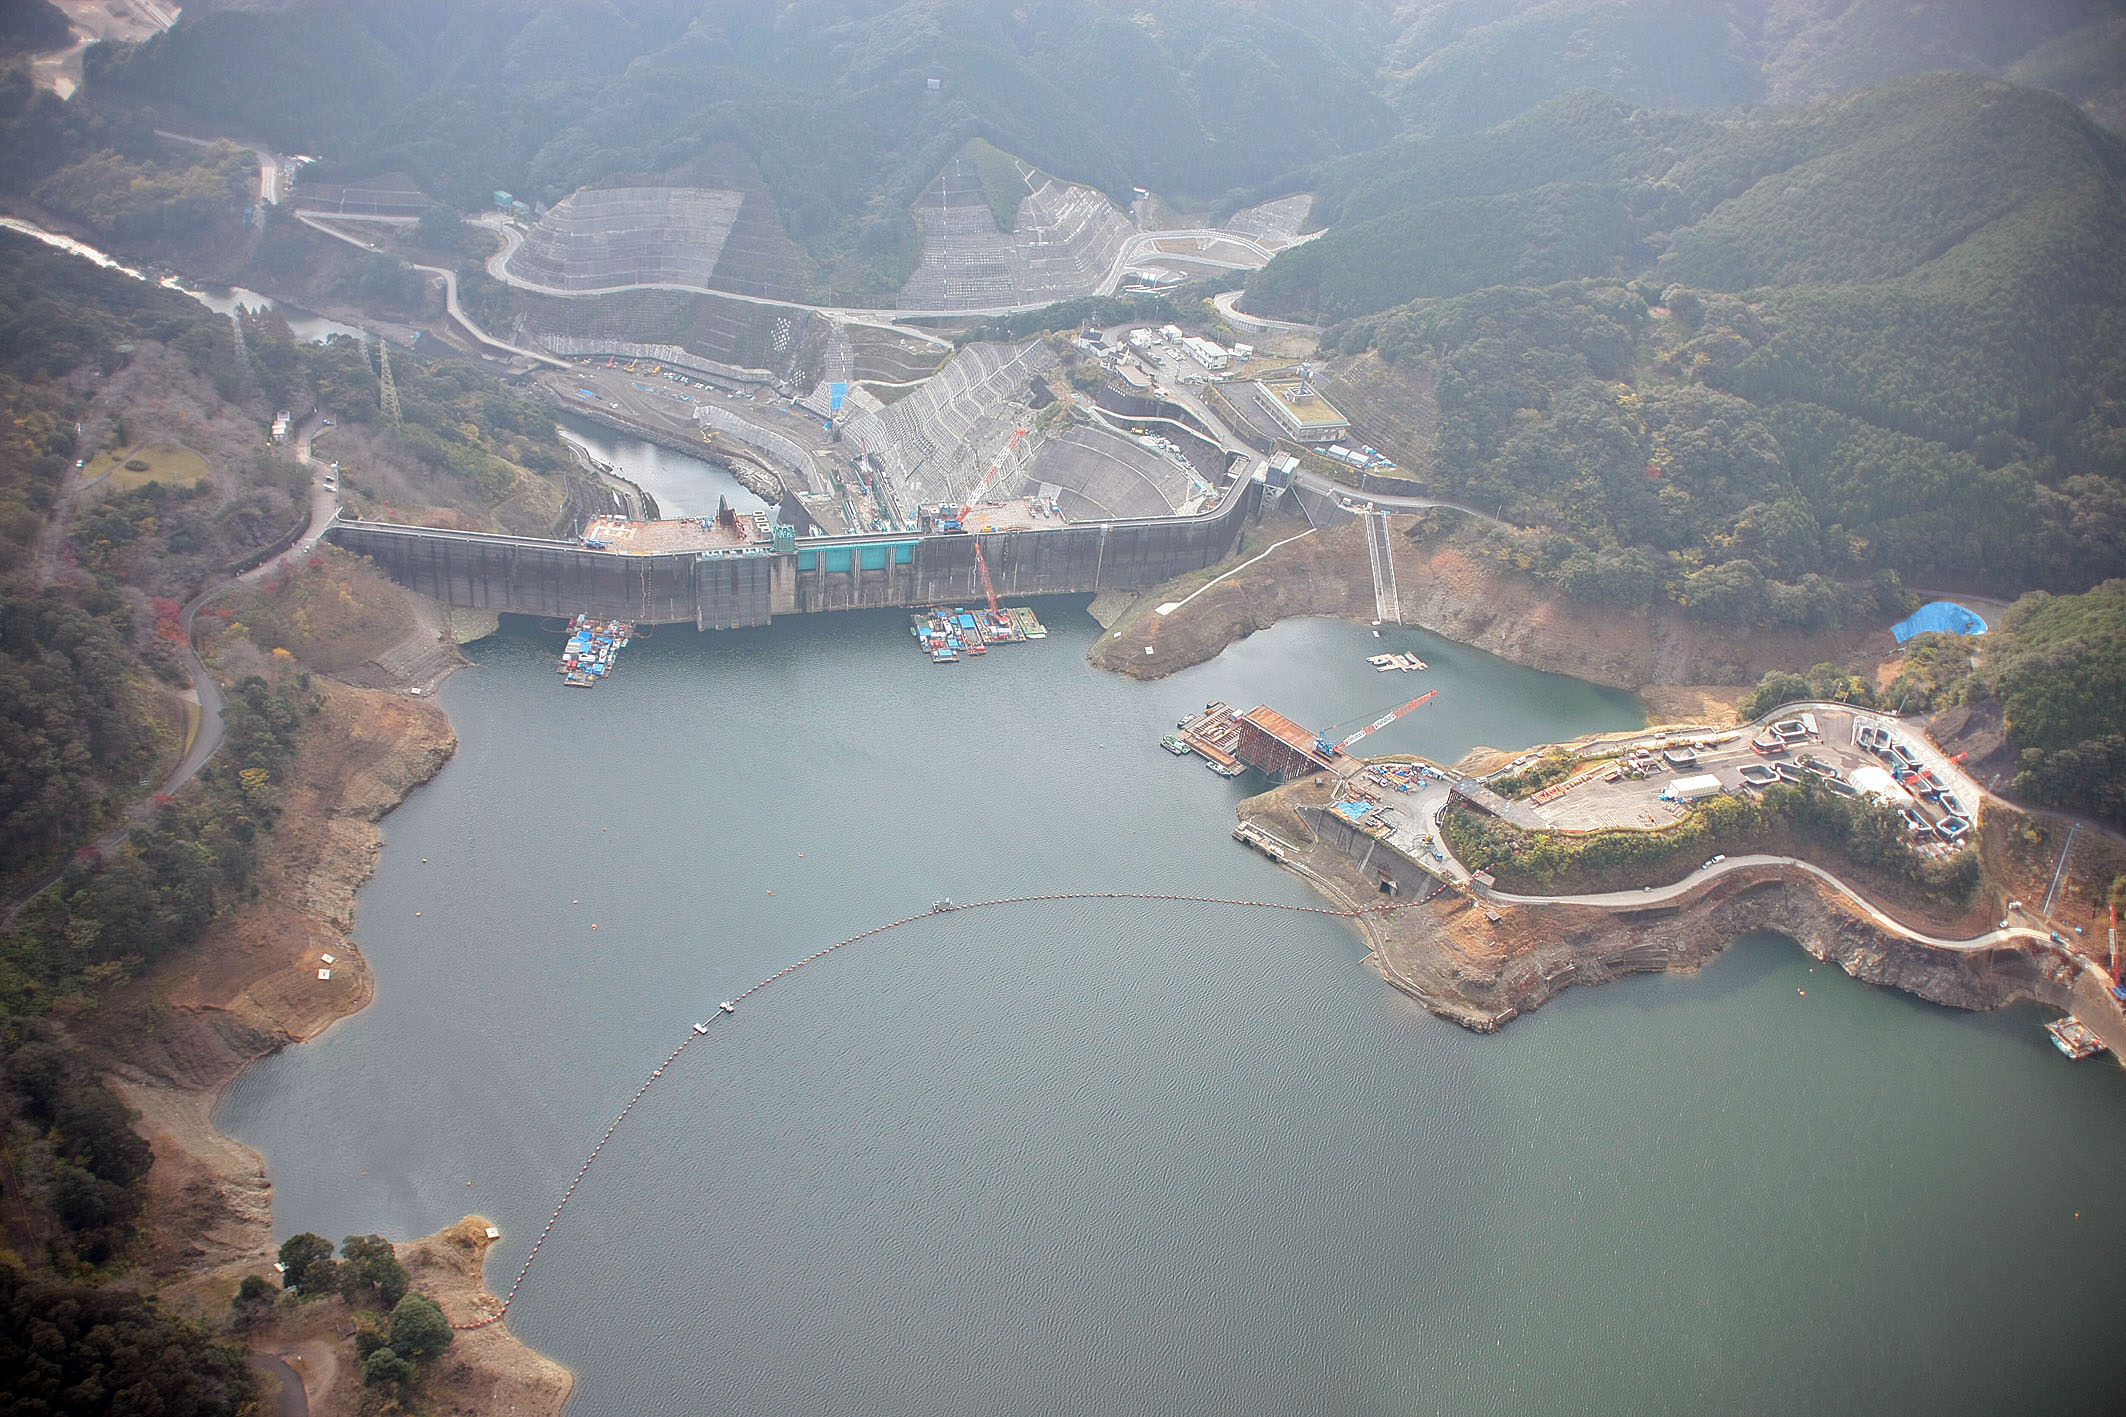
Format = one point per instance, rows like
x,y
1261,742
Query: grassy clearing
x,y
1003,187
171,464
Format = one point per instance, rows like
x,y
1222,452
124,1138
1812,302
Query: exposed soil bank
x,y
1483,964
178,1036
1444,589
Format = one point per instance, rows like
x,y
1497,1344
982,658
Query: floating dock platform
x,y
948,636
1213,736
592,648
2074,1038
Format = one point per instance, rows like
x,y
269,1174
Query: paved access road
x,y
450,285
206,691
1675,890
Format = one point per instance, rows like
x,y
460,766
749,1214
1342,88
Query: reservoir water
x,y
1145,1158
682,486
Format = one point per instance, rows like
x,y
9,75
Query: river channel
x,y
222,300
1152,1158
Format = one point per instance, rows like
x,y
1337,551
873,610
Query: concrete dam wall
x,y
728,590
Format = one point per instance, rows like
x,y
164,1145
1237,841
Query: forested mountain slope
x,y
1457,66
1724,356
829,99
1198,100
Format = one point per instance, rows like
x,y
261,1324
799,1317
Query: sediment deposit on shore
x,y
253,987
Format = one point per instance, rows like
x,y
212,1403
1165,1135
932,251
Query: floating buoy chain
x,y
658,1072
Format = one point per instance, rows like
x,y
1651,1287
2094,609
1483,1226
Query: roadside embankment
x,y
1445,588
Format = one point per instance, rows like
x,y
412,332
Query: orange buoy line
x,y
942,908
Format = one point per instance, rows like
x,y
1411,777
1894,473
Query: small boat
x,y
939,907
1175,746
1224,769
728,1007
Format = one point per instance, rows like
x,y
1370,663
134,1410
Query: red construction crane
x,y
1323,746
983,566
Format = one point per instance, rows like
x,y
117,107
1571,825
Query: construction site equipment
x,y
1323,746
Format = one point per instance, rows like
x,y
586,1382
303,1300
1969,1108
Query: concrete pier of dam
x,y
723,590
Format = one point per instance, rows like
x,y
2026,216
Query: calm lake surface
x,y
1154,1158
683,486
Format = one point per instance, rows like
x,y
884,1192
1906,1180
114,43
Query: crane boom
x,y
1384,720
981,488
982,565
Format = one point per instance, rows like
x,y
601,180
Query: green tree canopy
x,y
369,1266
418,1328
299,1254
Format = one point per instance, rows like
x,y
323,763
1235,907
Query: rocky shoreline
x,y
251,989
1483,963
1445,589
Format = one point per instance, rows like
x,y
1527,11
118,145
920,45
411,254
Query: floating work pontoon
x,y
593,646
947,634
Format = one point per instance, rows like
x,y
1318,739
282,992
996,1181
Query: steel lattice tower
x,y
387,392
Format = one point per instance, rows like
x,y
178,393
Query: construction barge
x,y
592,648
1213,735
2077,1040
949,635
1230,742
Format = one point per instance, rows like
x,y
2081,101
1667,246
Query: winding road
x,y
1139,246
206,737
450,287
1705,875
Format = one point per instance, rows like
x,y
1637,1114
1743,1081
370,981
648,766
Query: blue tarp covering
x,y
1944,617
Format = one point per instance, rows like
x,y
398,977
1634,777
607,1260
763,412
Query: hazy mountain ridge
x,y
1878,333
829,100
1457,66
